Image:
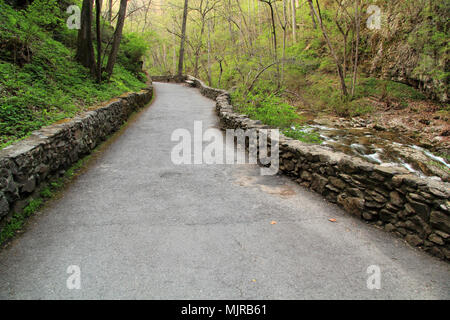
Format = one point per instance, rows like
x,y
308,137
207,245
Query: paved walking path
x,y
141,227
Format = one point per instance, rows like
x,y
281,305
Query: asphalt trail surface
x,y
140,227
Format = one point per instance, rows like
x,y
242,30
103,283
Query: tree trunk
x,y
117,38
220,74
199,47
333,53
85,48
183,39
209,54
174,58
147,9
98,12
284,27
274,34
311,7
110,11
355,65
294,21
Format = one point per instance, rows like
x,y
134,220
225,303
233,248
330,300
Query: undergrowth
x,y
40,81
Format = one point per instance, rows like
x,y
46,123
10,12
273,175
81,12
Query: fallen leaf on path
x,y
332,220
273,222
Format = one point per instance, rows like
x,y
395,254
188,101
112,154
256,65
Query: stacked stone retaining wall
x,y
25,165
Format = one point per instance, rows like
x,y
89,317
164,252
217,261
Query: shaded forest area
x,y
380,64
382,60
49,72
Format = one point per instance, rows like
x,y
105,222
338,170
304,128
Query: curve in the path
x,y
139,226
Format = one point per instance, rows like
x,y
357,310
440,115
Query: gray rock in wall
x,y
28,163
412,207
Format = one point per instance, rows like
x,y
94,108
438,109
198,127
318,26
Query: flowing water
x,y
384,148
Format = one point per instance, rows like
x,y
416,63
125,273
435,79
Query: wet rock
x,y
379,127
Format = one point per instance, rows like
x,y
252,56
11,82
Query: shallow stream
x,y
384,148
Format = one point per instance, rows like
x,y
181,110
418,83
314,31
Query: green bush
x,y
132,49
298,132
264,105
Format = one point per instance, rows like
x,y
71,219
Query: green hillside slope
x,y
40,81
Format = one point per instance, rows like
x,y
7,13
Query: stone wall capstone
x,y
416,209
26,164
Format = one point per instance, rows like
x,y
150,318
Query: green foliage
x,y
32,207
46,193
323,94
302,133
8,231
327,65
439,165
306,55
50,85
380,87
132,49
430,38
18,219
264,105
44,13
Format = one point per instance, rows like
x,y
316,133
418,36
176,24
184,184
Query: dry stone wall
x,y
28,163
414,208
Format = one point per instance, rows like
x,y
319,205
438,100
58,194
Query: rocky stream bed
x,y
379,146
